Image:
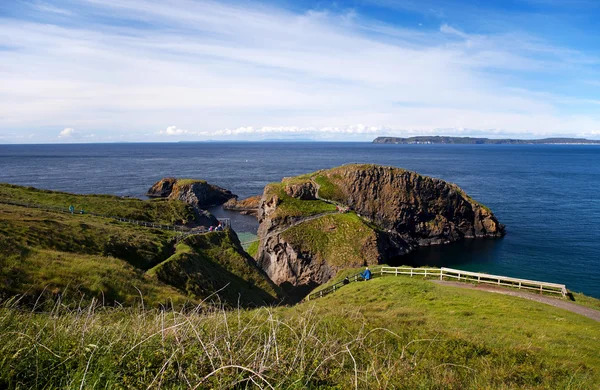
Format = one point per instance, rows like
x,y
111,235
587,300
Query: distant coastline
x,y
481,141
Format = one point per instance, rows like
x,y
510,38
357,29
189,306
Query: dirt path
x,y
572,307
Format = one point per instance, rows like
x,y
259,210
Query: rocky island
x,y
316,224
480,141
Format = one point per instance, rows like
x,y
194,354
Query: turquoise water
x,y
548,196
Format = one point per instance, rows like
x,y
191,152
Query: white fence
x,y
467,276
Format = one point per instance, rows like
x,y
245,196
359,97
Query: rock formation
x,y
248,206
391,212
197,193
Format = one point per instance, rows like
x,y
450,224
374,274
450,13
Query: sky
x,y
195,70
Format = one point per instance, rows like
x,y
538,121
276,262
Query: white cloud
x,y
447,29
68,133
219,67
173,130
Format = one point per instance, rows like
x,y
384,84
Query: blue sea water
x,y
548,196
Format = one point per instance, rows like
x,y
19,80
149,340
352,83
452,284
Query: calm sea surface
x,y
548,196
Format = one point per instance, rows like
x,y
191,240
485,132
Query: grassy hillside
x,y
203,264
23,228
339,239
44,255
156,210
47,254
386,333
77,278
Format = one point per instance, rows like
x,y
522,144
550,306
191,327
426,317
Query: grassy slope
x,y
338,239
292,207
53,252
385,333
213,262
253,249
156,210
327,189
25,228
79,277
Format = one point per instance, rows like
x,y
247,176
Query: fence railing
x,y
542,287
478,277
411,271
450,273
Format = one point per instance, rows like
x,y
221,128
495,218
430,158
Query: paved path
x,y
573,307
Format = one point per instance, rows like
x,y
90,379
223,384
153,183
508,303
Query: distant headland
x,y
480,141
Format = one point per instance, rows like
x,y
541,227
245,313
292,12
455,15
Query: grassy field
x,y
156,210
385,333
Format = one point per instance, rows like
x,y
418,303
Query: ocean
x,y
548,196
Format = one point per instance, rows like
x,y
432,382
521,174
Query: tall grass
x,y
286,348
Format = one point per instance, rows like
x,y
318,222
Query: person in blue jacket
x,y
366,274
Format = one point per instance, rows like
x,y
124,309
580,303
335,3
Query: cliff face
x,y
385,212
420,209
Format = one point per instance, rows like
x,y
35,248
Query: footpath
x,y
572,307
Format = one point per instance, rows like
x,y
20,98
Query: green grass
x,y
491,319
203,264
586,301
156,210
22,229
338,239
253,249
43,275
386,333
56,253
329,190
183,182
292,207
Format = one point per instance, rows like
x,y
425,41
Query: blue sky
x,y
145,70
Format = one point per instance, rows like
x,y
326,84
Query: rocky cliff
x,y
248,206
197,193
357,215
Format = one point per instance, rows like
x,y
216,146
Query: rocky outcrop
x,y
197,193
304,190
420,209
392,212
294,271
248,206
